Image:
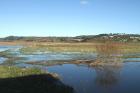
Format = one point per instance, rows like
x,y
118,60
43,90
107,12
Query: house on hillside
x,y
77,40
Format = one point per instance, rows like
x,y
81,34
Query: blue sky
x,y
68,17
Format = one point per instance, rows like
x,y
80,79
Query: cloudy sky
x,y
68,17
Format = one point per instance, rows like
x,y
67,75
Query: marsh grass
x,y
30,47
6,54
131,48
10,58
109,53
109,49
62,47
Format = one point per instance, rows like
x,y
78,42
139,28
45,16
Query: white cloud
x,y
84,2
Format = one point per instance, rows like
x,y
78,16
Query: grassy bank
x,y
30,80
12,71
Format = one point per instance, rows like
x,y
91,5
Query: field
x,y
72,47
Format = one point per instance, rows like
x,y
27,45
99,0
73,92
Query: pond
x,y
122,78
84,79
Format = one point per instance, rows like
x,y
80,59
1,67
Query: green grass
x,y
6,54
30,80
11,58
12,71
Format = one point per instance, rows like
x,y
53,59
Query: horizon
x,y
73,36
68,18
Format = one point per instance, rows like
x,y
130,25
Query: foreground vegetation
x,y
30,80
12,71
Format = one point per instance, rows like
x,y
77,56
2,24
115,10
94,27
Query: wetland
x,y
80,71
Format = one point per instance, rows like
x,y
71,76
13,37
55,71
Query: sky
x,y
68,17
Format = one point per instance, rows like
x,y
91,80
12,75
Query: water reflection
x,y
107,69
107,75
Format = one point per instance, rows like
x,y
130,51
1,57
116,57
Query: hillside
x,y
82,38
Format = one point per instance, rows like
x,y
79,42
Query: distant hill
x,y
83,38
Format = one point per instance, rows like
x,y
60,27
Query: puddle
x,y
2,59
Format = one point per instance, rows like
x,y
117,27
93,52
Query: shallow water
x,y
84,79
46,56
13,48
58,56
2,59
123,78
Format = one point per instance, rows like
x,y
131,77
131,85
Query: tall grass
x,y
108,48
108,52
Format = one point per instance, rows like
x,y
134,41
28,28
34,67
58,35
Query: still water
x,y
122,78
84,79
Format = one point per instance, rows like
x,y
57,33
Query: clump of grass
x,y
6,54
10,58
12,71
108,48
109,52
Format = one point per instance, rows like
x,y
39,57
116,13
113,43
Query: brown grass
x,y
108,48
